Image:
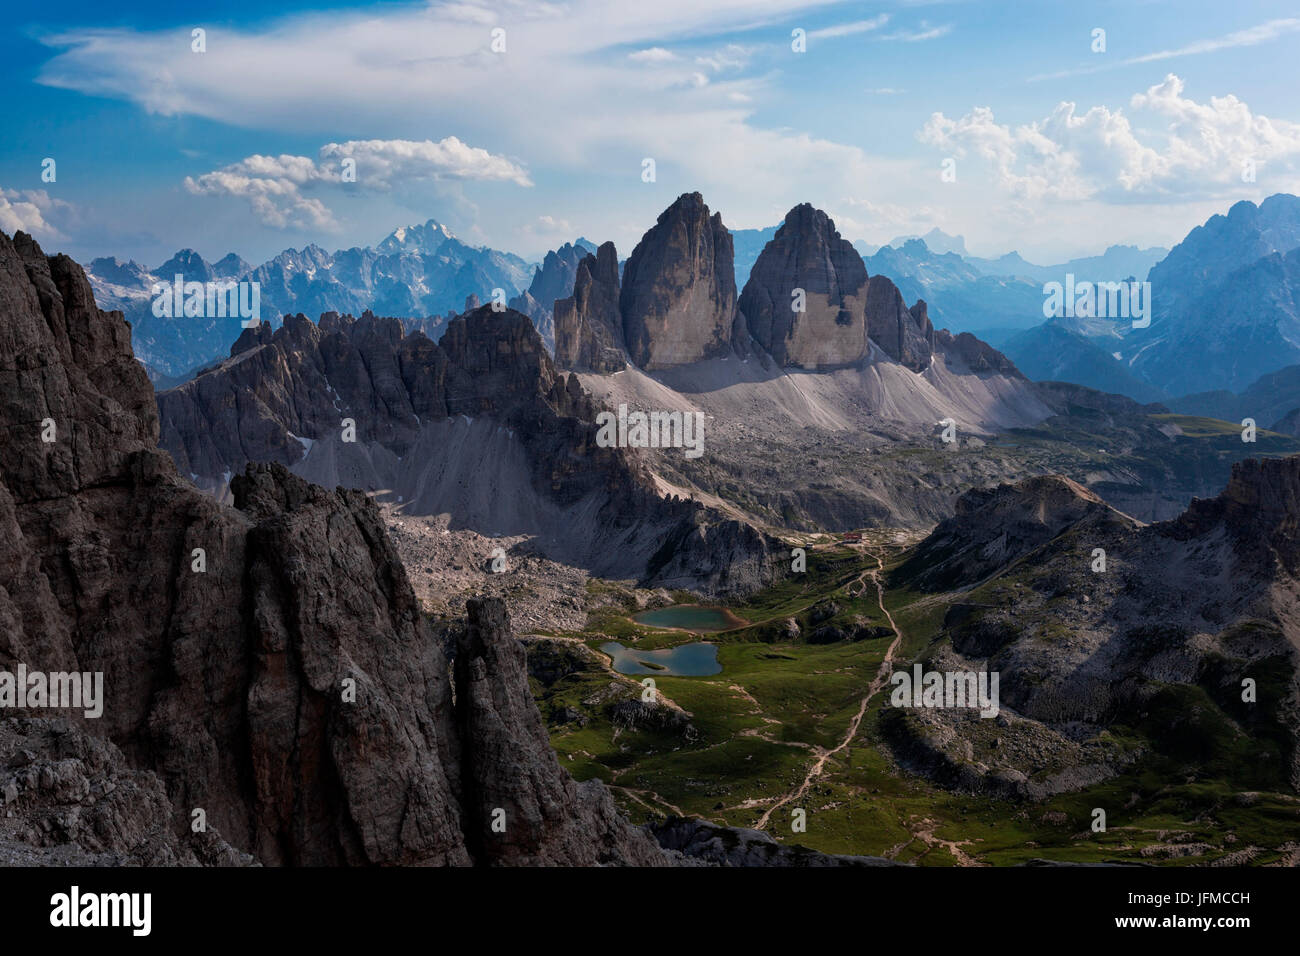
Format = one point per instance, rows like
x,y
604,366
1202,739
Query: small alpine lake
x,y
690,617
684,660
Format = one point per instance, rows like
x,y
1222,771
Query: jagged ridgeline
x,y
808,303
266,667
481,426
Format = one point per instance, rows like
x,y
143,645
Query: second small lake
x,y
690,617
685,660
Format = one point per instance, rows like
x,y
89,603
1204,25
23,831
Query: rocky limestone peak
x,y
905,335
122,273
227,681
808,254
588,324
1259,510
554,278
497,359
551,820
284,395
678,298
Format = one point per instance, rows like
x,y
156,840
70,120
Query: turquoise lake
x,y
690,617
685,660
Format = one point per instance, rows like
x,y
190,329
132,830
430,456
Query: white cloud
x,y
654,54
733,56
1198,152
925,32
30,210
1251,36
571,101
848,29
577,107
380,161
274,185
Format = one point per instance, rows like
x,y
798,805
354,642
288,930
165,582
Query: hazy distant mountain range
x,y
1225,306
417,271
1227,302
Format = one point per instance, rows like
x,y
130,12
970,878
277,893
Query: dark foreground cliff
x,y
266,668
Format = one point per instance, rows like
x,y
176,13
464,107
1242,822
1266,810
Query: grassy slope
x,y
757,721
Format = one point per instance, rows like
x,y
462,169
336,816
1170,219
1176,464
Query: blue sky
x,y
1057,149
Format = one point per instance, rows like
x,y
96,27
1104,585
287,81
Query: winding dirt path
x,y
882,676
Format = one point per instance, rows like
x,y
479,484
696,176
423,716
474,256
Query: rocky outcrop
x,y
904,334
976,354
550,820
69,798
553,280
1257,511
281,386
678,299
807,264
993,527
710,844
268,663
588,324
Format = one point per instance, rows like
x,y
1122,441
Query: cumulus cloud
x,y
30,210
276,187
1196,150
382,161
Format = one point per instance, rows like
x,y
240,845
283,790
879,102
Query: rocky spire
x,y
588,325
905,335
552,280
807,264
678,300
